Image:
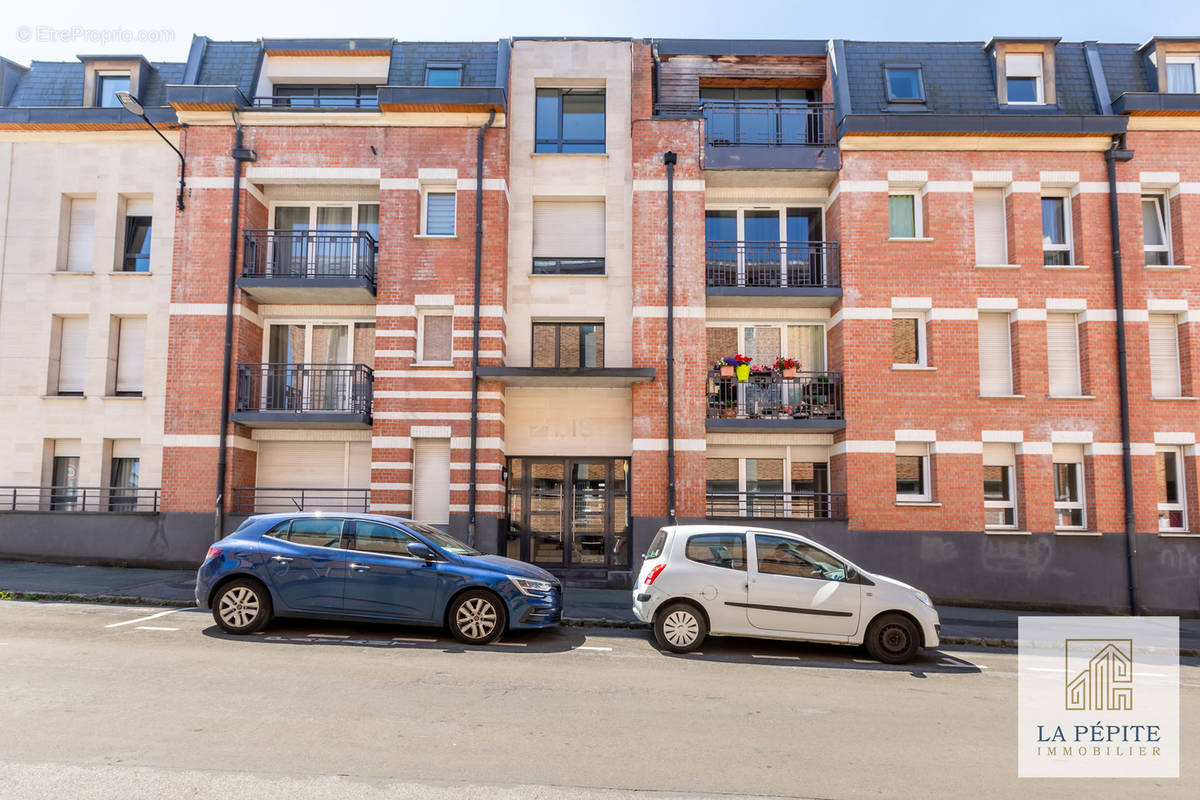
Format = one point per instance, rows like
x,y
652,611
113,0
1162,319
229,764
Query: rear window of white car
x,y
726,550
657,544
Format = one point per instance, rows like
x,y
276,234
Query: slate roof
x,y
230,64
477,58
1124,70
54,83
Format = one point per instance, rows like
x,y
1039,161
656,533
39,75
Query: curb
x,y
105,599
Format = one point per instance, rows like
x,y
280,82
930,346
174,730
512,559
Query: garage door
x,y
431,481
312,475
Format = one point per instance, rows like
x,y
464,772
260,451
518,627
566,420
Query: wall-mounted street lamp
x,y
132,105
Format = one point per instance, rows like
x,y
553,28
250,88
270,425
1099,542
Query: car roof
x,y
332,514
727,529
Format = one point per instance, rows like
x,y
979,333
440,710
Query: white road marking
x,y
509,644
757,655
144,619
329,636
412,639
603,649
153,628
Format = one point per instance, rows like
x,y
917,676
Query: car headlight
x,y
531,587
924,598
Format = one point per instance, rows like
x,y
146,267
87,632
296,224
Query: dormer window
x,y
107,86
1023,79
904,84
443,75
1183,74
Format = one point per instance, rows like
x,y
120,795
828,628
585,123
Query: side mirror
x,y
421,550
851,574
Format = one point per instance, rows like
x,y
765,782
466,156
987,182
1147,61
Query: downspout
x,y
475,326
239,154
1111,157
669,158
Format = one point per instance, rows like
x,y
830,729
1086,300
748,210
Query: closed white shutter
x,y
991,244
359,471
995,355
126,448
999,454
72,353
1062,355
304,465
80,242
139,207
131,354
568,229
1164,356
431,480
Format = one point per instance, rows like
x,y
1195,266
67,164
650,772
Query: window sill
x,y
1001,397
124,397
1006,532
918,503
130,272
1075,532
1167,267
1065,266
67,272
568,275
910,238
64,397
436,364
997,266
1188,399
1178,535
1070,397
912,368
569,155
436,236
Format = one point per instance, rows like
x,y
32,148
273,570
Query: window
x,y
321,240
80,242
124,467
1156,233
1165,377
568,344
999,485
137,244
904,84
443,75
1056,231
759,115
316,532
995,355
323,96
912,472
776,555
908,338
431,481
1023,78
656,544
130,356
435,336
373,537
726,550
1068,487
991,239
903,215
64,476
1062,354
568,237
439,213
570,121
765,247
107,87
1183,74
69,367
1172,502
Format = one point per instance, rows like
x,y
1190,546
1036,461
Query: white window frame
x,y
432,311
1191,60
1039,75
1178,355
918,218
1011,503
925,456
740,327
98,81
308,325
786,458
1008,320
1003,224
437,188
922,318
1182,504
1162,206
1068,226
1080,491
1078,356
781,210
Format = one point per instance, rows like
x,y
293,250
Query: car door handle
x,y
358,567
281,559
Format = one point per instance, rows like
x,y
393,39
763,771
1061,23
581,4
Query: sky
x,y
58,30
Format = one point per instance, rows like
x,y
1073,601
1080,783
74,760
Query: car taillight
x,y
213,552
654,573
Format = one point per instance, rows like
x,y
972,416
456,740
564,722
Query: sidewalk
x,y
595,607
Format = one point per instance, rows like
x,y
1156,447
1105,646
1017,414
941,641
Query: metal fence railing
x,y
775,124
777,505
305,387
118,499
808,395
308,254
267,500
772,264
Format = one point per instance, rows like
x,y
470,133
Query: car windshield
x,y
444,541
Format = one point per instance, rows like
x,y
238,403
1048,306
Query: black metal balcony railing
x,y
809,265
311,101
309,254
809,395
266,500
78,498
305,388
774,124
777,505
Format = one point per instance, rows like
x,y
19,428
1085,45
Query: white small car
x,y
725,580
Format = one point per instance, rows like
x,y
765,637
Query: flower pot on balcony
x,y
743,373
789,372
727,371
728,412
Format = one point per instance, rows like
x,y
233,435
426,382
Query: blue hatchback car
x,y
370,567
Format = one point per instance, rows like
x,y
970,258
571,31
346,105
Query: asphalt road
x,y
99,702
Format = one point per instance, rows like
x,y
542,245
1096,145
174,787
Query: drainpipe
x,y
669,158
239,155
1111,157
475,325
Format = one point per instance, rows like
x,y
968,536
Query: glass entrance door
x,y
544,513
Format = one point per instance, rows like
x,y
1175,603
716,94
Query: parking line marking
x,y
153,628
144,619
412,639
602,649
510,644
329,636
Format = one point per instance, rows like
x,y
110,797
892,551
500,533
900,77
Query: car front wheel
x,y
892,639
680,628
477,617
242,606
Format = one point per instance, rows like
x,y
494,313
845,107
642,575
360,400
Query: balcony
x,y
773,273
769,135
112,499
810,401
272,500
302,267
776,505
287,395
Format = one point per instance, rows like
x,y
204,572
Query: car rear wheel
x,y
477,617
242,606
680,628
892,639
